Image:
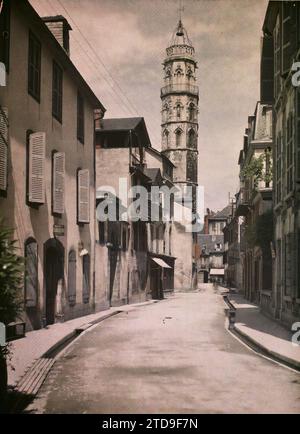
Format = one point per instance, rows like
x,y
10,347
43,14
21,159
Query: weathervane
x,y
180,29
180,10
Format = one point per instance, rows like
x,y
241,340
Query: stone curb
x,y
291,363
257,346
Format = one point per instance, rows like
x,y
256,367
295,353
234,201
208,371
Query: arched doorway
x,y
53,272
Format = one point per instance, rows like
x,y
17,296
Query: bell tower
x,y
179,130
180,96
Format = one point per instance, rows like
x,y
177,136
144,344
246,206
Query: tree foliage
x,y
258,170
11,278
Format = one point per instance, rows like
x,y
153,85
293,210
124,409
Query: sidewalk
x,y
263,332
37,343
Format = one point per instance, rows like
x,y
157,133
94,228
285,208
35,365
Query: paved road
x,y
171,357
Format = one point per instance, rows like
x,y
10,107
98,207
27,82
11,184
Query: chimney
x,y
60,28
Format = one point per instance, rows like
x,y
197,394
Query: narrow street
x,y
174,356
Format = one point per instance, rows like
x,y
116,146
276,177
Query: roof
x,y
125,125
160,154
224,214
153,174
120,124
161,263
56,19
28,11
209,241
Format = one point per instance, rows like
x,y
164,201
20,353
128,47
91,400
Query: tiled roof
x,y
120,124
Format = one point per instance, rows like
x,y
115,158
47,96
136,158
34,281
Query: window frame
x,y
27,243
57,91
80,118
34,67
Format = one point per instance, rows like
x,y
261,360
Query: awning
x,y
161,263
217,272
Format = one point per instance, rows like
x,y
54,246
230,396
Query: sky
x,y
119,46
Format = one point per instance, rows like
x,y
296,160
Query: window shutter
x,y
72,278
58,182
3,148
86,279
83,196
37,152
31,282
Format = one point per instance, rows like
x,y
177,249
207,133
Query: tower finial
x,y
180,27
180,10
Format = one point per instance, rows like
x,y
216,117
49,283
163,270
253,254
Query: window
x,y
80,118
36,168
298,129
178,135
289,34
31,273
277,60
298,262
86,279
288,257
192,112
166,138
34,67
102,232
189,72
166,111
278,168
125,237
192,139
57,92
5,34
139,236
3,149
83,196
178,71
58,183
268,165
178,111
72,278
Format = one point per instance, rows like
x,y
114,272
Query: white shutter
x,y
37,152
3,148
83,196
58,193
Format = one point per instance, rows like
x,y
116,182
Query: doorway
x,y
53,272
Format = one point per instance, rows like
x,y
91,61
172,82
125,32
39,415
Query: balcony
x,y
243,202
179,89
